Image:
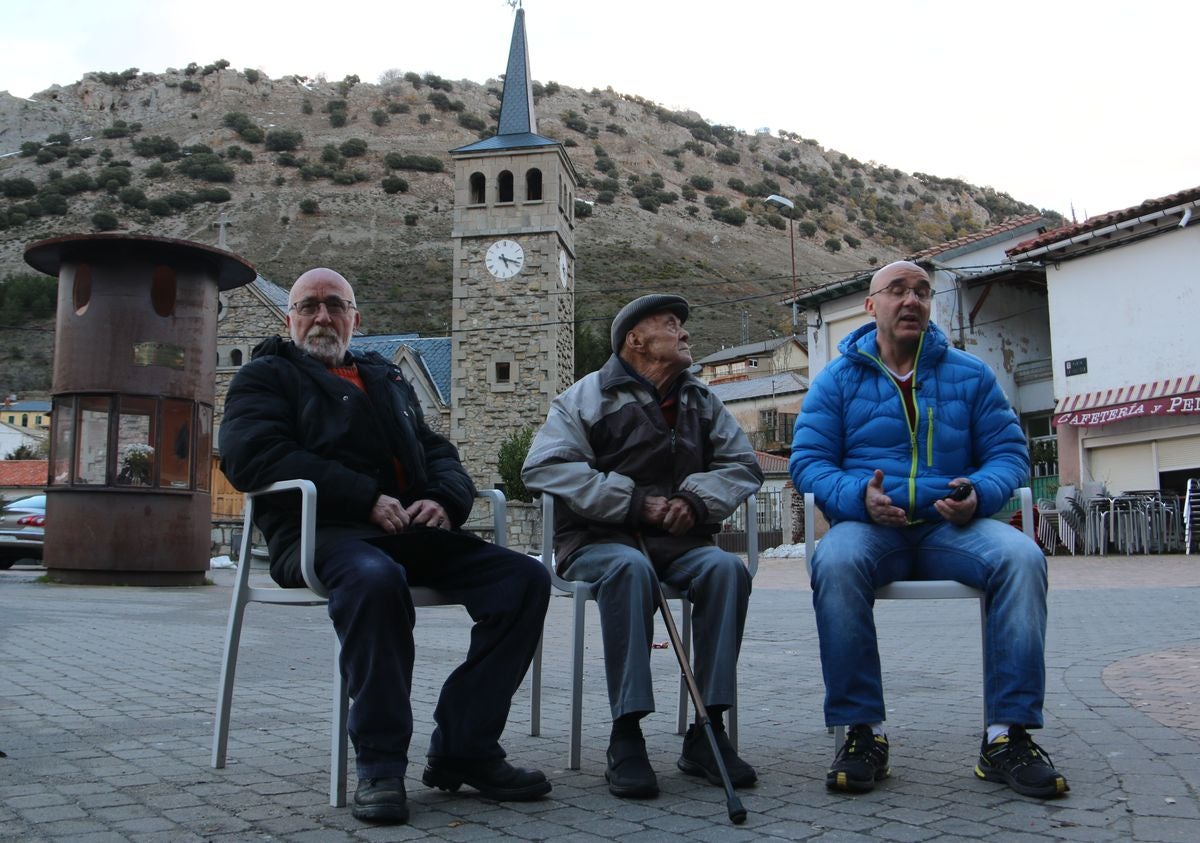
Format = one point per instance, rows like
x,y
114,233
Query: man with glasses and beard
x,y
391,496
909,446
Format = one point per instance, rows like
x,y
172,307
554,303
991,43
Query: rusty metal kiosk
x,y
135,349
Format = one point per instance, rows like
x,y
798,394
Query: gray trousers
x,y
718,586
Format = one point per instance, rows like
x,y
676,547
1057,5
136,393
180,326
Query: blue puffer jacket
x,y
853,422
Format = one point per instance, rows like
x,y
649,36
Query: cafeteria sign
x,y
1175,405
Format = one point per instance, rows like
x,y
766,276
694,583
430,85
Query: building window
x,y
162,290
504,184
752,363
81,289
503,372
533,186
235,357
478,189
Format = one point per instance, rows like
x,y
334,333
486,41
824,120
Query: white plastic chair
x,y
316,595
582,592
920,589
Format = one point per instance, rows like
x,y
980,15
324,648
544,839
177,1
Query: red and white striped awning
x,y
1171,397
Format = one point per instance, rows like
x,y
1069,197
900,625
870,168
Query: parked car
x,y
22,530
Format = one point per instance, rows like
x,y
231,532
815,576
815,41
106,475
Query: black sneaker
x,y
381,801
1021,764
697,758
862,761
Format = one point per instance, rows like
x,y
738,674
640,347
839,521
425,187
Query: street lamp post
x,y
784,202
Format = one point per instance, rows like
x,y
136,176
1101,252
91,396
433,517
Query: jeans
x,y
504,592
715,582
855,558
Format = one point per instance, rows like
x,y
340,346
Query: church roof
x,y
518,122
432,353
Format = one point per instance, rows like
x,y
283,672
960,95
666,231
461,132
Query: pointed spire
x,y
516,106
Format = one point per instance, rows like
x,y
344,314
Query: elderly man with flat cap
x,y
909,446
643,447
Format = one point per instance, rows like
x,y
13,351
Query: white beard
x,y
325,345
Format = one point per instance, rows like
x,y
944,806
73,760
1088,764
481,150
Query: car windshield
x,y
31,502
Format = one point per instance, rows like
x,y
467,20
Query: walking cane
x,y
737,813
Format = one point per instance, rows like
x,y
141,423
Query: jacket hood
x,y
863,338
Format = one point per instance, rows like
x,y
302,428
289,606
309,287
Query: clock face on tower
x,y
564,268
505,258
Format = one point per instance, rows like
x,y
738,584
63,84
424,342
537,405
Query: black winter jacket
x,y
287,416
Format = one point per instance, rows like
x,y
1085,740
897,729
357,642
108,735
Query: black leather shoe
x,y
494,778
629,774
697,758
381,801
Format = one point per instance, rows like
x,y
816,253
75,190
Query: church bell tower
x,y
514,275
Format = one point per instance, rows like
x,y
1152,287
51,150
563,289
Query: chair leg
x,y
233,640
535,691
341,711
573,758
983,656
685,611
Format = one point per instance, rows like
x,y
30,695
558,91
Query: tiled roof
x,y
737,351
272,292
770,463
522,140
26,407
1103,220
857,283
991,231
433,353
23,472
784,383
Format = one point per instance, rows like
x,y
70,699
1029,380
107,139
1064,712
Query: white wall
x,y
1130,311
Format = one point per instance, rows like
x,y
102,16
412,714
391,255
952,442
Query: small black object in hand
x,y
959,493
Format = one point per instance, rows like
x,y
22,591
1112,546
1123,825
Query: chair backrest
x,y
751,505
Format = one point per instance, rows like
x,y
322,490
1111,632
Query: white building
x,y
1124,290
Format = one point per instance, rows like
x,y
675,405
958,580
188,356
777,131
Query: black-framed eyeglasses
x,y
334,306
898,293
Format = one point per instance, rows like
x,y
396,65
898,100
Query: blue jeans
x,y
855,558
504,592
716,583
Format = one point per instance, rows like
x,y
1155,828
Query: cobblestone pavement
x,y
106,706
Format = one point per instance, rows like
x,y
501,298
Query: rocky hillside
x,y
355,176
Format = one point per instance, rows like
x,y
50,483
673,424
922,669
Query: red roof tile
x,y
770,462
1102,220
23,472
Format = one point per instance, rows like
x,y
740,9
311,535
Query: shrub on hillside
x,y
395,184
283,140
353,148
309,206
105,221
732,216
423,163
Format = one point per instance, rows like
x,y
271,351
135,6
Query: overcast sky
x,y
1059,103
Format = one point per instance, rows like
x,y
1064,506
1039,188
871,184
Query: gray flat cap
x,y
639,309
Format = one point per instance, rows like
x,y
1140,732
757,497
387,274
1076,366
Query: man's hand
x,y
430,513
879,506
679,518
957,512
676,515
390,515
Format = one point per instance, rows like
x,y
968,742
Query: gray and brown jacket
x,y
606,446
